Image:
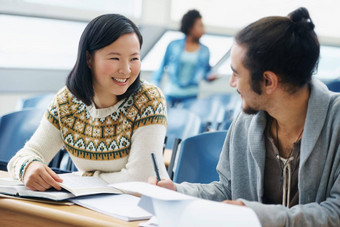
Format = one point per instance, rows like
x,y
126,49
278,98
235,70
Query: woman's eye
x,y
117,59
134,59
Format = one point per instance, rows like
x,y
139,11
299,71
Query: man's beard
x,y
250,111
247,109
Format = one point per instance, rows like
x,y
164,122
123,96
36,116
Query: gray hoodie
x,y
242,162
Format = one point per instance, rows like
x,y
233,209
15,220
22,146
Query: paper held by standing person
x,y
175,209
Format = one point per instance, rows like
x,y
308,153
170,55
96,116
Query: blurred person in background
x,y
186,62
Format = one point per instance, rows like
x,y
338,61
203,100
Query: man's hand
x,y
234,202
39,177
164,183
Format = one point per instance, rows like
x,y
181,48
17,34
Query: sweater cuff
x,y
179,188
269,215
25,165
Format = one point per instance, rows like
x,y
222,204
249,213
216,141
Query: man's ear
x,y
89,59
271,81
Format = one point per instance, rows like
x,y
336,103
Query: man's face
x,y
240,79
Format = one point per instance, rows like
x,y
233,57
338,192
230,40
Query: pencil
x,y
155,166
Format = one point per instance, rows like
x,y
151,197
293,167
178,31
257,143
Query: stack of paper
x,y
175,209
124,206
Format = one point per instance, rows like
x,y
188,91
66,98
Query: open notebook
x,y
89,192
73,186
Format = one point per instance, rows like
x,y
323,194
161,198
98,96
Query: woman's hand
x,y
39,177
164,183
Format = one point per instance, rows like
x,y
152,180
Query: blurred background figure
x,y
186,62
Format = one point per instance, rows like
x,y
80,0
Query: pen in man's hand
x,y
155,166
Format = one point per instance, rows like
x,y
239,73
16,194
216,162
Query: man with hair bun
x,y
281,156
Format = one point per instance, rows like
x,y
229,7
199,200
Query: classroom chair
x,y
181,124
211,111
61,163
67,164
334,85
37,101
232,105
16,129
225,125
197,158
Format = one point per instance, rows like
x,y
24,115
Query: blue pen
x,y
155,166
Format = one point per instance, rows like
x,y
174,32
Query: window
x,y
237,14
217,44
126,6
37,42
75,9
30,42
329,63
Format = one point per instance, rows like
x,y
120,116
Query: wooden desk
x,y
15,212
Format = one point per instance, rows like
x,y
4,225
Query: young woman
x,y
186,62
108,120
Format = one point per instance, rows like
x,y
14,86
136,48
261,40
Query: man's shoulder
x,y
334,106
249,122
323,98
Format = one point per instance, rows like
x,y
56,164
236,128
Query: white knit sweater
x,y
115,143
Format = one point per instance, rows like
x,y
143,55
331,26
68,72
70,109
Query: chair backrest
x,y
66,164
38,101
211,111
224,98
198,158
225,125
61,163
15,129
181,124
231,102
334,85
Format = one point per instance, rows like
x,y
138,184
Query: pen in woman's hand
x,y
155,166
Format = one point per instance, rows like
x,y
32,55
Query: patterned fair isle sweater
x,y
115,143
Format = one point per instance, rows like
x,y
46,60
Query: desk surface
x,y
14,212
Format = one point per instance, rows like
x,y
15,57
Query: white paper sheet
x,y
123,206
151,191
175,209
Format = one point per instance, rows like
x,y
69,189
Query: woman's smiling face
x,y
116,66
